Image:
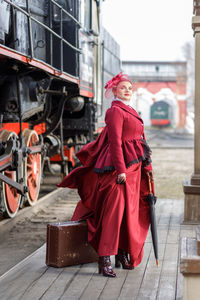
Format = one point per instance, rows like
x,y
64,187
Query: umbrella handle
x,y
149,181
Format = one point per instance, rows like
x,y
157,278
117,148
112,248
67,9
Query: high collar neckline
x,y
125,102
127,108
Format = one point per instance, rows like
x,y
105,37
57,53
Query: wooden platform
x,y
32,279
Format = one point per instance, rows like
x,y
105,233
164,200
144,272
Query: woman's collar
x,y
125,102
126,107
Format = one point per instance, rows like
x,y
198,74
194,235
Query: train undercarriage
x,y
30,141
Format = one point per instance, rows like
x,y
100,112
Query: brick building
x,y
159,81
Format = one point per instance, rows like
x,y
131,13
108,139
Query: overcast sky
x,y
149,29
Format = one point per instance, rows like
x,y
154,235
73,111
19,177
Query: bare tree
x,y
188,50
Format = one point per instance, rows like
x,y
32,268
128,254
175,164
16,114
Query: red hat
x,y
114,82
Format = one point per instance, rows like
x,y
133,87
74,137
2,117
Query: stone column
x,y
192,187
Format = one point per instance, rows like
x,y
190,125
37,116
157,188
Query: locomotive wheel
x,y
32,167
11,199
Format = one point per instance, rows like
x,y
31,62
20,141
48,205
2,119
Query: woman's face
x,y
123,91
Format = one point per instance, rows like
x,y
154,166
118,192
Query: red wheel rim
x,y
11,195
33,171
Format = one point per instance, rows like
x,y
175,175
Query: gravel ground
x,y
171,167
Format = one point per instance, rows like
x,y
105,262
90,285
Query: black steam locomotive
x,y
51,77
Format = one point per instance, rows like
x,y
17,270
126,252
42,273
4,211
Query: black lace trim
x,y
105,169
147,155
111,168
146,160
146,163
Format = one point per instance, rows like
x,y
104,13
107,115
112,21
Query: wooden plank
x,y
171,281
188,231
198,239
134,277
192,248
165,212
174,224
76,287
151,281
31,278
14,283
94,288
162,234
41,285
149,285
179,282
57,288
177,213
164,220
173,235
113,286
176,220
190,260
167,282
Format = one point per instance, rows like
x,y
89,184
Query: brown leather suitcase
x,y
67,244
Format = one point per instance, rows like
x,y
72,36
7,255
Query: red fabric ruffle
x,y
117,214
134,151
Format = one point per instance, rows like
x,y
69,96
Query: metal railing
x,y
31,19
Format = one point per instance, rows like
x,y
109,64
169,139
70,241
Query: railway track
x,y
22,235
168,139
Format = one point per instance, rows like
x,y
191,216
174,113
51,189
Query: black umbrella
x,y
151,199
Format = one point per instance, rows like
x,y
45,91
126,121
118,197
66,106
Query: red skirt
x,y
117,214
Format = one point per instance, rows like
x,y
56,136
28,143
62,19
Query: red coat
x,y
117,214
125,144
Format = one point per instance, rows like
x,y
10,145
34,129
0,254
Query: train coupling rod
x,y
6,161
53,92
21,188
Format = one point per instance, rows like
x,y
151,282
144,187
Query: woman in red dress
x,y
113,183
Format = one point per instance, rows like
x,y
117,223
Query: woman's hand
x,y
121,178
